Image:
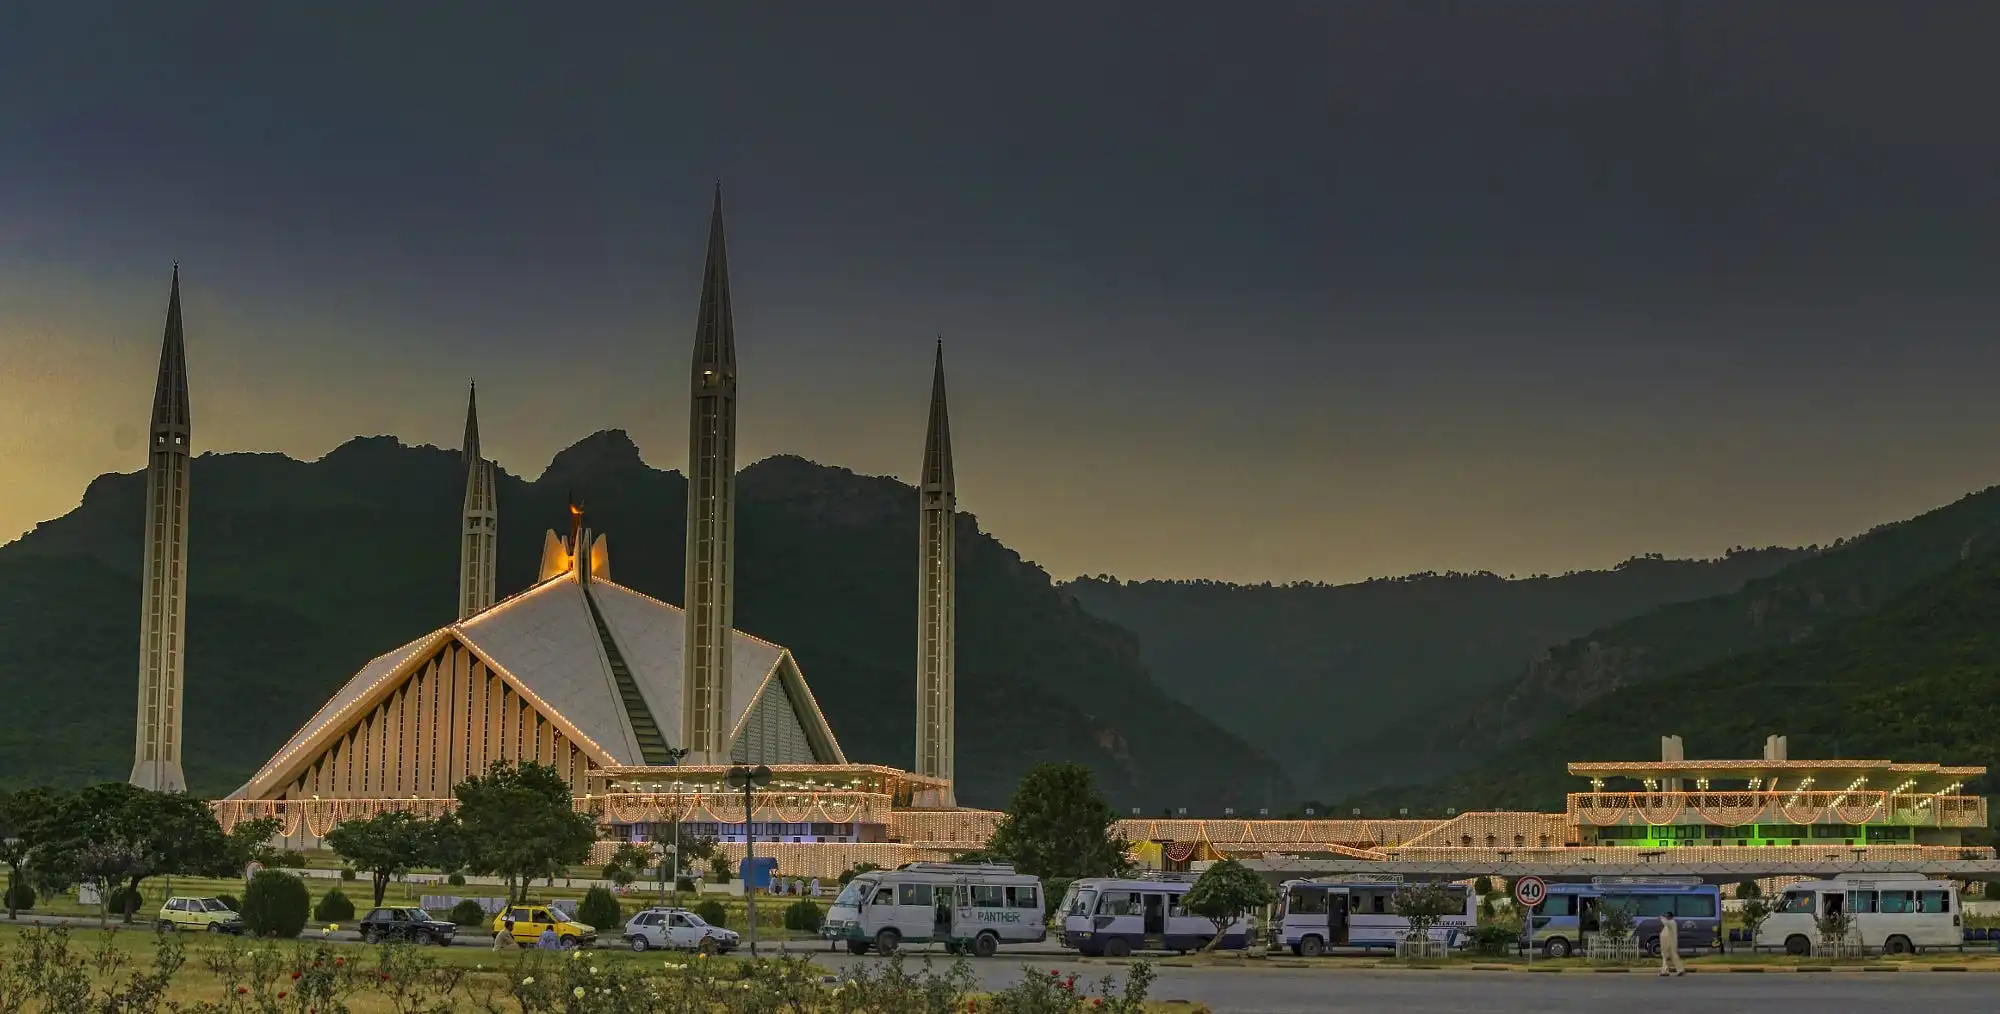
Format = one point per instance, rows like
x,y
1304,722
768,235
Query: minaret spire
x,y
156,762
937,594
478,545
709,590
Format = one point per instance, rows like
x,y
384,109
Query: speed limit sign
x,y
1529,891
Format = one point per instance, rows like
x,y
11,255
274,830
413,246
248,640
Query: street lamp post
x,y
749,779
676,755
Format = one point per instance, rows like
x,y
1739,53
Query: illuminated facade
x,y
156,754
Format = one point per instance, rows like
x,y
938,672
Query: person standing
x,y
1670,947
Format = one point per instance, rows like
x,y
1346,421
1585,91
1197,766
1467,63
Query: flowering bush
x,y
1052,992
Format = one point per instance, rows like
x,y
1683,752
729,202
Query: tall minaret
x,y
711,515
156,762
477,545
937,592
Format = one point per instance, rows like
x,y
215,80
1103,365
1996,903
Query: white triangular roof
x,y
546,640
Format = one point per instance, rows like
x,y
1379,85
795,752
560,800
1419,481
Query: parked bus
x,y
1571,910
1898,916
1114,917
973,907
1314,915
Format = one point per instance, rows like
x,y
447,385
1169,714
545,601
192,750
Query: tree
x,y
856,870
518,821
25,817
629,863
1422,906
1756,909
275,904
1226,892
104,865
249,842
167,833
1059,826
388,844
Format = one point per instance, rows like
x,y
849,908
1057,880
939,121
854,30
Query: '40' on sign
x,y
1529,891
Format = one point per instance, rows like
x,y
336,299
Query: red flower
x,y
240,990
295,976
281,994
337,962
385,977
1057,972
1099,1002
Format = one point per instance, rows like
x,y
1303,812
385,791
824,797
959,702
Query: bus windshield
x,y
1085,901
852,894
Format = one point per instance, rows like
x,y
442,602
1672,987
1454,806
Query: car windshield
x,y
694,920
417,915
852,894
213,905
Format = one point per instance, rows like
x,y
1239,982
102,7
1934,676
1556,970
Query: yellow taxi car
x,y
200,915
530,920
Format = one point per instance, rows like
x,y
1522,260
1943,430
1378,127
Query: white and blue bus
x,y
1571,910
1314,916
1116,916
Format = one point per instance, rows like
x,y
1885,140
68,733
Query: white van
x,y
1893,916
1359,911
965,906
1115,916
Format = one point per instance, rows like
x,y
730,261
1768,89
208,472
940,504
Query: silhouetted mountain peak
x,y
605,454
825,493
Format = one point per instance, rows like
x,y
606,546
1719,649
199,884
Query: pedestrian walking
x,y
1670,947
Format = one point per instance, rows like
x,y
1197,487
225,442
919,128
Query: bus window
x,y
1306,901
884,896
1694,906
1898,902
1024,896
1118,903
1861,901
1933,901
988,896
1797,903
1557,905
1652,906
918,895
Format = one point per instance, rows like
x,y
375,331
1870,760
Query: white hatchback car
x,y
678,929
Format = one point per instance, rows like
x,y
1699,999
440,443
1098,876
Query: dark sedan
x,y
409,925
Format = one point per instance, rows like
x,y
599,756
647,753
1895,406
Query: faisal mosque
x,y
644,707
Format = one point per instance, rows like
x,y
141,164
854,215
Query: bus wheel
x,y
1797,945
1897,945
1650,948
857,947
1556,947
985,945
886,941
1312,946
1116,947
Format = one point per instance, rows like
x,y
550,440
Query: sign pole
x,y
1529,892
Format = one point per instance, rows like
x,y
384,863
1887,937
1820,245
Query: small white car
x,y
677,929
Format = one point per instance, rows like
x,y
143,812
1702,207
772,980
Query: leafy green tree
x,y
167,833
1423,906
1058,825
25,817
387,845
249,842
518,821
629,863
856,870
1226,892
334,907
1756,910
104,865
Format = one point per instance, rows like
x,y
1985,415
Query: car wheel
x,y
857,947
163,926
569,943
1312,946
215,927
367,934
638,942
985,945
887,940
1116,948
1556,947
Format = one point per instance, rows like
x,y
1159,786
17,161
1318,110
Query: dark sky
x,y
1250,291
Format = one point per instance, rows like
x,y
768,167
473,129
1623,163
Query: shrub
x,y
1483,886
334,907
685,884
468,913
275,905
1494,940
230,902
123,901
19,896
347,873
456,880
718,869
1052,992
803,915
600,909
712,912
856,870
